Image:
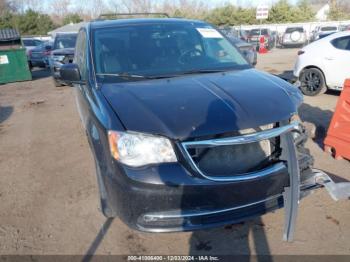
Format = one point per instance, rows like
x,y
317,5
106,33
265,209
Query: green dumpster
x,y
13,59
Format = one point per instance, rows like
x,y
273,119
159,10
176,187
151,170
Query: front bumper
x,y
292,43
164,204
169,197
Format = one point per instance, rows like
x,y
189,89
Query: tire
x,y
312,82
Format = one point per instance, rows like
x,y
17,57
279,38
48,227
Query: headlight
x,y
137,149
58,58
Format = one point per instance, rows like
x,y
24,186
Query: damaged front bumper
x,y
292,194
181,201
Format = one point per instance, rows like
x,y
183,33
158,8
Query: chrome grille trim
x,y
238,140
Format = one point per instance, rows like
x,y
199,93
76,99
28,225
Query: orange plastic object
x,y
262,48
338,135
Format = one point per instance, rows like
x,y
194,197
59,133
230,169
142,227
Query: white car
x,y
324,64
323,31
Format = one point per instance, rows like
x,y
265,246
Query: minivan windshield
x,y
128,53
65,41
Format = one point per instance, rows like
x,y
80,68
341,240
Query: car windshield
x,y
65,41
235,40
229,32
329,28
257,32
132,52
293,29
31,42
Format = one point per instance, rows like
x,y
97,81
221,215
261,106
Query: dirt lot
x,y
49,198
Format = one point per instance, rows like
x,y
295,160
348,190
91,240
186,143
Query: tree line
x,y
30,16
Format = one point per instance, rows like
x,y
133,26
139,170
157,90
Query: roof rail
x,y
110,15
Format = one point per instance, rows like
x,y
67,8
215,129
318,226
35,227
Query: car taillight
x,y
30,53
300,52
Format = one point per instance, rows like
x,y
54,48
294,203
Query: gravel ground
x,y
49,198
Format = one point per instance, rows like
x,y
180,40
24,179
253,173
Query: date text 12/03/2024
x,y
173,258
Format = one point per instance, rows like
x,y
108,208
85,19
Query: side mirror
x,y
70,73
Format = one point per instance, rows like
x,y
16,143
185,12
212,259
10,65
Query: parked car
x,y
344,27
325,35
324,30
236,33
247,49
185,133
62,53
39,56
324,64
255,34
30,44
294,36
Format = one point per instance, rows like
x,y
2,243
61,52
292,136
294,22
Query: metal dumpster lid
x,y
9,34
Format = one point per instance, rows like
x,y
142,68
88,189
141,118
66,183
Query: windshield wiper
x,y
125,75
195,71
203,71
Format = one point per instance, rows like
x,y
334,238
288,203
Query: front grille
x,y
237,159
237,155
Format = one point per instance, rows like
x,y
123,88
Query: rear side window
x,y
329,28
342,43
293,29
30,42
80,54
257,32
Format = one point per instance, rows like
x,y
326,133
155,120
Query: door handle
x,y
329,58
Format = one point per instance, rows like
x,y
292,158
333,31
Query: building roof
x,y
69,28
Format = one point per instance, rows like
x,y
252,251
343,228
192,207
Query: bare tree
x,y
97,7
4,6
61,7
187,8
135,6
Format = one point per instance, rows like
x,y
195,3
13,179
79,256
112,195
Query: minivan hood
x,y
63,51
202,105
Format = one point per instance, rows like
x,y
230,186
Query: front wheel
x,y
312,82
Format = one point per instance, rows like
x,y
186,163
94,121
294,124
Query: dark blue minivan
x,y
185,133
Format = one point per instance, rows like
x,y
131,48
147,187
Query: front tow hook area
x,y
338,191
317,179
